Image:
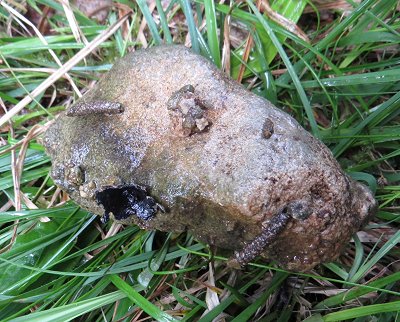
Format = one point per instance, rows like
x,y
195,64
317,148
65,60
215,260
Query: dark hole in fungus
x,y
125,201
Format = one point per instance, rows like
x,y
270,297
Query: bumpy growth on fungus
x,y
166,141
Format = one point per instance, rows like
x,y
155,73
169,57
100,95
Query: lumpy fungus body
x,y
166,141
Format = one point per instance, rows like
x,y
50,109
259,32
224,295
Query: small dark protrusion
x,y
126,201
298,210
74,174
173,101
187,88
187,112
94,107
267,129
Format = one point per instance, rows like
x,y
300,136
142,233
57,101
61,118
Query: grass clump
x,y
333,65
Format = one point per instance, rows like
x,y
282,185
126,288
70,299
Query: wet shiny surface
x,y
222,180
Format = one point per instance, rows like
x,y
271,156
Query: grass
x,y
341,82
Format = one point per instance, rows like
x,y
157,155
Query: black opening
x,y
126,201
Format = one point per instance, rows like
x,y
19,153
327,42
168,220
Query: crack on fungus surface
x,y
126,201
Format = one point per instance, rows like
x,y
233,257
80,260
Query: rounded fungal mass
x,y
167,141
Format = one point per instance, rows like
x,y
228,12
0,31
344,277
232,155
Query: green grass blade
x,y
62,212
366,177
358,258
187,10
210,316
150,22
70,311
296,81
329,39
357,312
155,262
373,119
371,78
212,31
142,302
290,9
164,22
357,292
276,281
392,242
337,270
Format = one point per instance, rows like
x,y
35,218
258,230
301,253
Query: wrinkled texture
x,y
205,155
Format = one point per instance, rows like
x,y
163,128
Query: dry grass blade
x,y
114,229
17,169
18,164
38,130
65,68
79,36
245,57
43,40
212,299
330,5
247,50
281,20
226,49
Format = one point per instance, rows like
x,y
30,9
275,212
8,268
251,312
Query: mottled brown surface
x,y
223,182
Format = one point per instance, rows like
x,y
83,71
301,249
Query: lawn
x,y
332,65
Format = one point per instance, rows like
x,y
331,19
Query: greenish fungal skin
x,y
192,150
